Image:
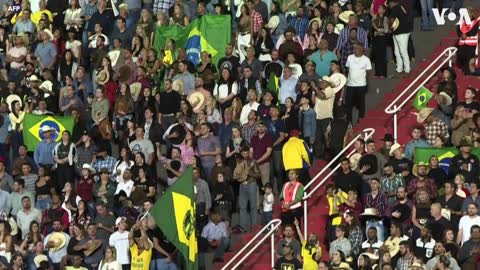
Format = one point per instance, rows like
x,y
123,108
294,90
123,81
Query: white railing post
x,y
395,127
272,248
450,58
305,217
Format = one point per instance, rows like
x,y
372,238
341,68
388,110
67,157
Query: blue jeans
x,y
162,264
248,194
380,230
44,203
267,217
428,20
220,250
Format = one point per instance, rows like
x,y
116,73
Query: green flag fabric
x,y
208,33
423,97
444,155
174,214
33,124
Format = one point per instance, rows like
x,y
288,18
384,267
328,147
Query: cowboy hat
x,y
46,128
11,98
13,226
446,213
123,6
342,266
453,74
338,28
39,259
93,245
420,164
370,255
448,99
135,89
46,86
88,167
370,212
338,81
416,266
354,159
34,78
388,137
49,33
273,22
394,148
327,80
59,240
114,55
395,24
197,100
465,141
102,77
124,73
178,86
316,19
423,114
345,16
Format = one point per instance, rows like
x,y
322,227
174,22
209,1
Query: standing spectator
x,y
465,160
291,199
64,155
247,83
378,201
225,89
251,105
307,119
452,202
119,240
288,86
276,129
261,151
186,77
466,223
379,46
433,126
425,244
43,152
208,148
416,141
401,35
300,22
26,215
46,52
145,146
56,253
390,183
471,248
324,99
322,59
421,180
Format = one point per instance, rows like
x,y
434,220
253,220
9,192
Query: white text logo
x,y
462,16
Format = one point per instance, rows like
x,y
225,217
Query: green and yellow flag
x,y
208,33
174,214
423,97
33,124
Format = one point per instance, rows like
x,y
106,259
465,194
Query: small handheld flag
x,y
422,98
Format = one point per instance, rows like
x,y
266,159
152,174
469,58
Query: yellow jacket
x,y
295,154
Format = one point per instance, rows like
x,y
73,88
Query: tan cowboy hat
x,y
354,159
416,266
338,28
103,77
395,24
178,86
393,245
114,55
13,226
93,245
49,33
34,78
273,22
370,255
316,19
342,266
11,98
420,164
370,212
59,240
423,114
448,98
123,6
135,89
327,80
89,167
46,86
23,37
339,81
39,259
446,213
345,16
197,100
124,73
394,148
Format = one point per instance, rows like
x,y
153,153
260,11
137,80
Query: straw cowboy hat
x,y
420,164
124,73
197,100
46,128
338,28
316,19
354,159
103,77
448,99
39,259
135,89
93,245
394,148
327,80
370,212
34,78
49,33
345,16
59,240
178,86
273,22
47,87
339,81
416,266
11,99
13,226
114,55
370,255
89,168
423,114
395,24
342,266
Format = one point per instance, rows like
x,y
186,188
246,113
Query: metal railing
x,y
437,64
366,134
271,227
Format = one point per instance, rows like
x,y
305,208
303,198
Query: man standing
x,y
465,162
346,179
391,182
54,253
437,222
276,129
93,260
453,203
119,240
186,77
43,152
401,33
324,99
252,105
416,141
261,151
466,222
170,101
46,52
421,180
6,180
322,59
208,149
140,144
288,85
358,66
27,215
291,199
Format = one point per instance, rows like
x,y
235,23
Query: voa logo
x,y
452,16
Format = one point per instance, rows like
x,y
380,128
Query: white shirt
x,y
24,220
466,222
246,110
120,242
125,186
357,70
324,107
221,91
268,202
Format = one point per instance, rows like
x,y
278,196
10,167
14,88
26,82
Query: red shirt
x,y
85,189
260,146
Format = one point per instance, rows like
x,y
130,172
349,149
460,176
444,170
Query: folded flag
x,y
422,98
33,124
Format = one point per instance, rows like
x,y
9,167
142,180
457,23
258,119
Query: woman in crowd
x,y
64,155
82,217
105,189
67,66
436,173
420,211
44,188
110,260
123,109
225,89
354,232
32,238
244,35
70,201
124,162
6,240
380,38
179,18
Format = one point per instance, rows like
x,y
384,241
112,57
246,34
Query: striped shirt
x,y
343,38
390,185
89,10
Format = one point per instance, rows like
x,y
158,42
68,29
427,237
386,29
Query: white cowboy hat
x,y
114,55
89,167
273,22
369,212
338,28
239,10
49,33
394,148
135,89
423,114
197,100
339,81
11,99
327,80
395,24
39,259
447,98
345,16
34,78
46,128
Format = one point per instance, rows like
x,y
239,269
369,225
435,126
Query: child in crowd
x,y
268,200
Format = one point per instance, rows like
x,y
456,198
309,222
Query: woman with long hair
x,y
223,198
138,46
436,173
380,30
234,145
364,262
147,23
314,30
123,109
73,17
187,148
225,89
244,37
140,164
354,232
186,110
264,45
312,47
109,85
67,66
74,44
34,235
129,135
70,200
420,211
124,162
213,114
449,86
44,188
6,240
110,262
451,246
460,188
236,109
145,184
179,18
105,190
85,184
82,217
16,116
64,155
290,116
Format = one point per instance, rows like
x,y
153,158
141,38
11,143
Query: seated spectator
x,y
289,239
425,244
288,260
439,250
215,233
340,243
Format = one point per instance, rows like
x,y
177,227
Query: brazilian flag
x,y
33,124
423,97
174,214
208,33
444,155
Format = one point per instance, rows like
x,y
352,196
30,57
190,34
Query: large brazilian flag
x,y
208,33
32,125
444,155
174,214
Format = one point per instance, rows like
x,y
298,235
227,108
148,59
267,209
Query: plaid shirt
x,y
403,263
108,162
378,202
345,52
355,237
162,5
257,21
343,38
427,183
248,132
437,127
300,25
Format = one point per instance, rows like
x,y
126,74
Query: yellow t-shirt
x,y
308,262
140,261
